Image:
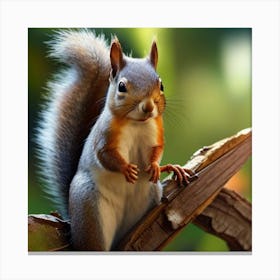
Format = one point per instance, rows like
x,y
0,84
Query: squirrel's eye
x,y
161,86
122,87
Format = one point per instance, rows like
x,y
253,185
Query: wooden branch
x,y
48,233
215,165
228,217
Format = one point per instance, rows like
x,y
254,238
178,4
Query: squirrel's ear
x,y
116,57
154,54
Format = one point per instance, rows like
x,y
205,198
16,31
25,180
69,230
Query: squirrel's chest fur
x,y
135,142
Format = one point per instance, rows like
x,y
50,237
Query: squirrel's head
x,y
136,90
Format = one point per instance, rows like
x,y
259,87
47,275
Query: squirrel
x,y
102,162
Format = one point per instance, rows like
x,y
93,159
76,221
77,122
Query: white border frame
x,y
17,16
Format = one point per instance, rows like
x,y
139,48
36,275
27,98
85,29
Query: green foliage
x,y
207,79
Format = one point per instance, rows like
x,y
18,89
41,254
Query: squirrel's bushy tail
x,y
72,107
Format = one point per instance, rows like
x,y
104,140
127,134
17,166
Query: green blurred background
x,y
206,74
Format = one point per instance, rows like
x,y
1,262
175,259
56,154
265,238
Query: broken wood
x,y
204,201
228,217
48,233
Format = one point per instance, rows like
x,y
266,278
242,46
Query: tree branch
x,y
228,217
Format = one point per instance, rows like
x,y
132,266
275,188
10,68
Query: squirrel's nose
x,y
148,106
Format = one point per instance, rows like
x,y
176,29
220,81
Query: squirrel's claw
x,y
154,169
130,172
182,175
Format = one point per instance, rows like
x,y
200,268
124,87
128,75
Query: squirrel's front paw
x,y
182,175
154,170
130,171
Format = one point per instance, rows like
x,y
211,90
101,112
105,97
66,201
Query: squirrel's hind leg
x,y
90,230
